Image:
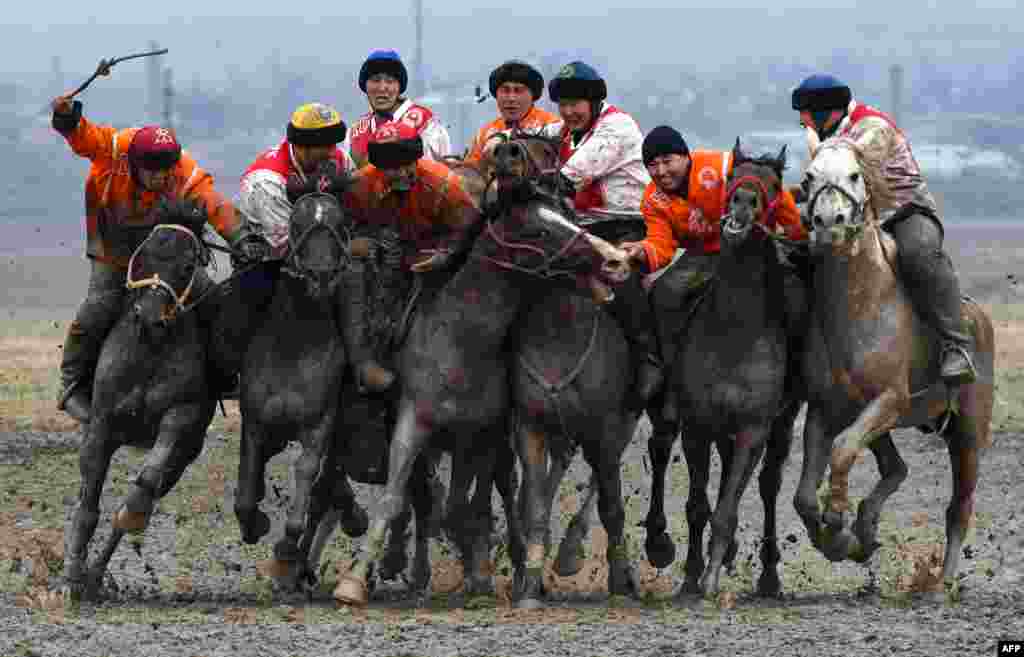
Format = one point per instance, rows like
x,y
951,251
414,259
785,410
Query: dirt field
x,y
189,588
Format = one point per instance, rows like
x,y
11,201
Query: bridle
x,y
767,219
293,264
859,207
546,269
154,282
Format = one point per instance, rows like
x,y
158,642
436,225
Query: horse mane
x,y
187,212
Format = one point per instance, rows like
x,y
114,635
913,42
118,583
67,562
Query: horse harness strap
x,y
553,389
155,282
544,270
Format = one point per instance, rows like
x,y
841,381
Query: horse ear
x,y
737,153
781,157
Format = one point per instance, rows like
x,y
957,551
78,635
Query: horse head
x,y
537,239
522,156
754,190
163,269
318,234
838,205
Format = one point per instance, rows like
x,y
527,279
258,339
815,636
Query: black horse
x,y
152,386
732,380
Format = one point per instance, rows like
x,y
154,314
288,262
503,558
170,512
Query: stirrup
x,y
963,375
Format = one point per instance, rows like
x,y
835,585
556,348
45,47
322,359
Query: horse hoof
x,y
351,591
254,525
355,522
834,519
279,567
770,587
661,551
130,521
530,603
568,561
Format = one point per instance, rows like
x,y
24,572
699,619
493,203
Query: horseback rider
x,y
383,78
418,201
906,208
516,87
132,169
602,171
686,199
313,134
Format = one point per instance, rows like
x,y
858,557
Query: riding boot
x,y
633,311
932,283
94,319
77,366
370,375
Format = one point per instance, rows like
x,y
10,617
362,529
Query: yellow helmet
x,y
316,124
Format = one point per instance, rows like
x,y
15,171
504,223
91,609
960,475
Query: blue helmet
x,y
384,61
577,81
821,92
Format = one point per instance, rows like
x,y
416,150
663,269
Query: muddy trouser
x,y
632,310
96,316
928,275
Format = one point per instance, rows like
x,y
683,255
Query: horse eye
x,y
854,177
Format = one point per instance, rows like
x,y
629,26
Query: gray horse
x,y
151,387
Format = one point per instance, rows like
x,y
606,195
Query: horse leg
x,y
661,551
409,439
963,457
506,481
878,417
698,509
606,461
536,512
422,487
769,584
93,464
893,471
726,452
817,446
556,470
252,485
570,551
178,445
478,579
308,468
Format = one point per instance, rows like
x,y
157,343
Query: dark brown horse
x,y
732,381
872,365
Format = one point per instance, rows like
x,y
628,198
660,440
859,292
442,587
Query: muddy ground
x,y
224,606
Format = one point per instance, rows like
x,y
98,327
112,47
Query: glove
x,y
438,259
249,251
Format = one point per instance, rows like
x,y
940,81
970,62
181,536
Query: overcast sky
x,y
206,37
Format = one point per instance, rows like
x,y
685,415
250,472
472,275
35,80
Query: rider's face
x,y
401,178
670,172
514,101
382,91
158,180
576,113
823,128
309,157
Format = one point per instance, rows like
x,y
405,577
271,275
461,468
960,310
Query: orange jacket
x,y
668,215
117,208
434,214
535,119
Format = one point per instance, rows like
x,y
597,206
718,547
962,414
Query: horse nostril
x,y
818,221
840,218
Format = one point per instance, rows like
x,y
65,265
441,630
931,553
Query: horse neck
x,y
478,305
860,279
291,304
748,283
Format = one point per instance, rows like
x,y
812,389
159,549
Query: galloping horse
x,y
151,388
454,373
295,389
872,365
731,380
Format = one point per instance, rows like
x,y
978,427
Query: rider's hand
x,y
438,259
62,105
798,193
249,251
635,253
